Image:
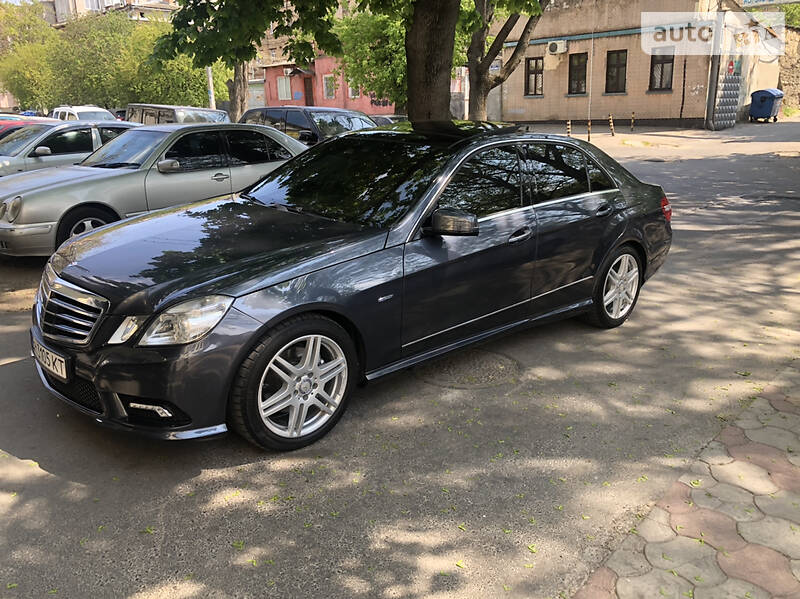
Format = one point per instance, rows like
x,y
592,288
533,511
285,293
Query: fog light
x,y
161,411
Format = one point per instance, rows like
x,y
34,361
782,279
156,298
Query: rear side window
x,y
166,116
198,151
557,171
254,117
71,116
597,178
248,147
488,182
70,142
109,133
149,117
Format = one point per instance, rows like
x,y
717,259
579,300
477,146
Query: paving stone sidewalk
x,y
729,527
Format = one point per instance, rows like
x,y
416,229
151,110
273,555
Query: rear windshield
x,y
201,116
128,150
334,123
12,144
96,115
365,181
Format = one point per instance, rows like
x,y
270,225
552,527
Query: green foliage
x,y
792,14
22,24
98,59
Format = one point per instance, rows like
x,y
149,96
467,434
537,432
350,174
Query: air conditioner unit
x,y
287,72
557,47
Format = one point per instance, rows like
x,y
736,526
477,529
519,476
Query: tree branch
x,y
498,42
516,56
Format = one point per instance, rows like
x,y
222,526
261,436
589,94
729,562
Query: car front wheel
x,y
617,289
294,386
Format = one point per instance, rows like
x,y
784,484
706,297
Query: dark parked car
x,y
388,119
309,124
362,256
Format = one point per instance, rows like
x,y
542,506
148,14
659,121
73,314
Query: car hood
x,y
224,245
46,178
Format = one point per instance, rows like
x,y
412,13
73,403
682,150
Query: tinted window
x,y
126,151
276,150
390,177
274,118
333,122
70,142
198,151
296,122
489,182
248,147
109,133
597,178
557,171
254,117
96,115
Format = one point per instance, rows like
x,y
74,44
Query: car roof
x,y
81,107
180,126
174,107
316,108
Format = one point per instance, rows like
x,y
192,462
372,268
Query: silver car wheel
x,y
621,285
85,225
302,386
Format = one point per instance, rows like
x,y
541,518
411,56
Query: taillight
x,y
666,208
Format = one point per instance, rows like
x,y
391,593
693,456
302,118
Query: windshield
x,y
334,123
129,150
201,116
366,181
12,144
96,115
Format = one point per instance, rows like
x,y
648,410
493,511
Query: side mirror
x,y
42,151
449,221
307,137
170,165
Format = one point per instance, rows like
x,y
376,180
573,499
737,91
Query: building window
x,y
616,71
661,67
534,76
284,88
353,92
328,87
577,73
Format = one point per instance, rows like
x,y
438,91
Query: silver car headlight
x,y
188,321
13,207
3,209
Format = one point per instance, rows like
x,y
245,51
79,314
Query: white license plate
x,y
51,362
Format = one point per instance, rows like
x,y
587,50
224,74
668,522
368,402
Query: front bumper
x,y
38,239
186,386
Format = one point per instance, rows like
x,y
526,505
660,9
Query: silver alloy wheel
x,y
621,285
85,225
302,386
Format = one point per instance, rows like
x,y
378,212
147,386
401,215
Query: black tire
x,y
244,415
81,214
599,315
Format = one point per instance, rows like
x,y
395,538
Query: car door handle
x,y
220,177
604,210
523,234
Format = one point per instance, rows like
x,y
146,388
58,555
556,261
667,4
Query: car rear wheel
x,y
294,386
617,289
82,220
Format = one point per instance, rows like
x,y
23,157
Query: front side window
x,y
577,73
390,178
70,142
296,121
250,147
661,67
284,88
198,151
534,76
487,183
329,87
616,71
557,171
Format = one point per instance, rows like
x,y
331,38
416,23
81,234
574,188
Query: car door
x,y
66,147
203,171
573,224
457,287
252,155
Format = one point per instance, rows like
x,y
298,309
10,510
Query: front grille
x,y
79,390
67,312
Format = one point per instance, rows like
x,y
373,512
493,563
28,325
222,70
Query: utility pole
x,y
212,103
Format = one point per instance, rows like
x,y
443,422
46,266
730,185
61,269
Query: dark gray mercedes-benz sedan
x,y
364,255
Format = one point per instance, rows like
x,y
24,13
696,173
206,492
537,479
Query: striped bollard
x,y
569,128
633,120
589,131
611,124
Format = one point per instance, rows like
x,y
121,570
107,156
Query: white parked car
x,y
82,113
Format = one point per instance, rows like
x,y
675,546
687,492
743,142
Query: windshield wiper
x,y
115,165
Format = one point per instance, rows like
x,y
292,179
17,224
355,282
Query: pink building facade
x,y
318,85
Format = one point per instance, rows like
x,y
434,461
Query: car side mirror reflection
x,y
307,137
449,221
42,151
170,165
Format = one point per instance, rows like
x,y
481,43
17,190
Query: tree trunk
x,y
430,38
237,91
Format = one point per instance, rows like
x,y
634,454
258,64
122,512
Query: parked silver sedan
x,y
146,168
45,144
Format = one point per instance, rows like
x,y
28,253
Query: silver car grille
x,y
65,312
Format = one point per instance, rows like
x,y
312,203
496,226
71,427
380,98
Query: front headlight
x,y
187,321
2,210
14,206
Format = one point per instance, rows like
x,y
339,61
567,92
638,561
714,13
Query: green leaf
x,y
238,545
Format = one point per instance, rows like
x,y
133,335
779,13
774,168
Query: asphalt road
x,y
511,469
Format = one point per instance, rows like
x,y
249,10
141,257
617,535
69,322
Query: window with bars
x,y
577,73
661,67
534,76
616,71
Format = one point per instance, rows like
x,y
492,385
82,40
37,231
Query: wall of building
x,y
790,68
323,66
